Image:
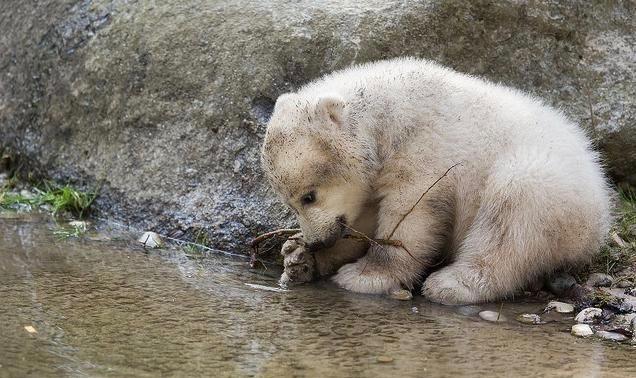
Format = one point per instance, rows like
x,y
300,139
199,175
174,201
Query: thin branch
x,y
359,236
420,199
281,232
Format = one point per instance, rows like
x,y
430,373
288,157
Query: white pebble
x,y
492,316
588,315
151,240
582,330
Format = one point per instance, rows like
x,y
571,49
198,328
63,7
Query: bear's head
x,y
320,164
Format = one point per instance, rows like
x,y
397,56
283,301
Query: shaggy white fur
x,y
358,147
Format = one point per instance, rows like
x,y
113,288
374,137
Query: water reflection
x,y
110,308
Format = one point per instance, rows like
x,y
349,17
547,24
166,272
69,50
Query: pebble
x,y
530,319
27,194
401,295
600,280
82,225
582,330
30,329
492,316
611,336
588,315
624,284
384,359
560,307
151,240
561,283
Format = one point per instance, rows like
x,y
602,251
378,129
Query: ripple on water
x,y
109,308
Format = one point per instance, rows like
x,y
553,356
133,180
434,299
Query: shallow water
x,y
109,308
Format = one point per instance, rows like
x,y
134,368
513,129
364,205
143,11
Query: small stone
x,y
614,336
530,319
582,330
624,284
415,310
30,329
401,295
561,283
560,307
600,280
27,194
384,359
492,316
588,315
151,240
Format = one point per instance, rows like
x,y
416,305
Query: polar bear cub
x,y
356,149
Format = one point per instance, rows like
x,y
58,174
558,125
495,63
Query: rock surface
x,y
613,336
166,102
600,280
560,284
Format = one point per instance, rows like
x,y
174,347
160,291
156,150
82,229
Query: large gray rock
x,y
166,101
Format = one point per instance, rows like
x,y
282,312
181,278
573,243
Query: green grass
x,y
200,239
59,198
613,258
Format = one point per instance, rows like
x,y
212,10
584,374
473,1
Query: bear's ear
x,y
331,107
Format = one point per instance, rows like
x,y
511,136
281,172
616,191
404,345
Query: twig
x,y
281,232
359,236
420,199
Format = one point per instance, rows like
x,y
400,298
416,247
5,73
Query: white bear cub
x,y
356,149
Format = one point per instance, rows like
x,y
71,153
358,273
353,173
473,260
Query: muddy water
x,y
107,308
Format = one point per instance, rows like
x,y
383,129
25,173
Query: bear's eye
x,y
308,198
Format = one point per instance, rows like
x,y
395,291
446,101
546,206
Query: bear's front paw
x,y
361,277
448,287
300,264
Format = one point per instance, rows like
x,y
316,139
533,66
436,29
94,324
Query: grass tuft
x,y
613,258
59,198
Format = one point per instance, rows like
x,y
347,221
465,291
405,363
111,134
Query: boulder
x,y
165,103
